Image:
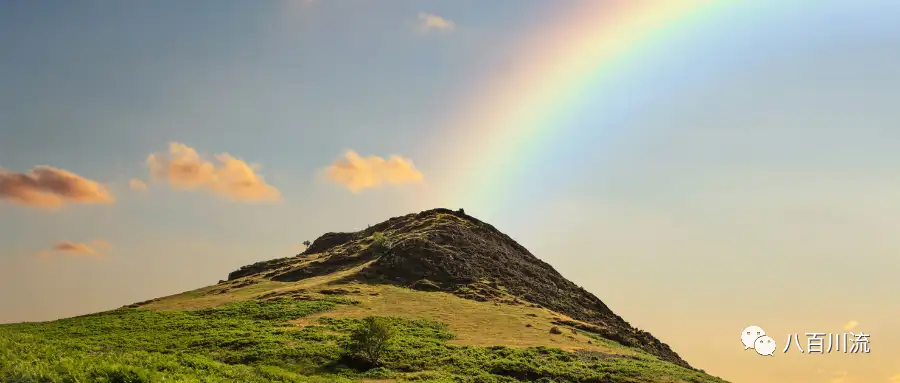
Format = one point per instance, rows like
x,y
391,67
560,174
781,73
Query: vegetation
x,y
240,342
372,338
252,341
381,243
293,320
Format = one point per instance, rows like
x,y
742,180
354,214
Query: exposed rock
x,y
326,242
334,292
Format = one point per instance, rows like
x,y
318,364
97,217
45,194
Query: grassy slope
x,y
208,335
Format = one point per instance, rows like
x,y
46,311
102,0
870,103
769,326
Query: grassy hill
x,y
466,303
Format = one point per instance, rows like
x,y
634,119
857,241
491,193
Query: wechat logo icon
x,y
755,337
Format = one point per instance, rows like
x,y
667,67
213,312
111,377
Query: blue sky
x,y
764,141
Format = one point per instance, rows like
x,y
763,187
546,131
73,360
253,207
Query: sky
x,y
737,169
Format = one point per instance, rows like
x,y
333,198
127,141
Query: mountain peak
x,y
450,251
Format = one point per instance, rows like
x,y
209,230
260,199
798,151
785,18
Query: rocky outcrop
x,y
445,250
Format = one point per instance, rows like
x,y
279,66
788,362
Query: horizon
x,y
733,165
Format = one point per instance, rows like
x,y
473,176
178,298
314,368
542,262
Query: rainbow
x,y
557,66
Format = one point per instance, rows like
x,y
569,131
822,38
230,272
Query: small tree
x,y
371,339
306,243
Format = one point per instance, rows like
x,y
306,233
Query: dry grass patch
x,y
474,323
207,297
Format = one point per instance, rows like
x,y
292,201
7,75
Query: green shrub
x,y
372,339
381,243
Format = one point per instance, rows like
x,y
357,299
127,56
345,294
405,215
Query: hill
x,y
467,302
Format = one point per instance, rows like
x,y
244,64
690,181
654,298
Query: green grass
x,y
236,342
250,341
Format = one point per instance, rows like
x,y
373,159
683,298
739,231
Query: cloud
x,y
137,184
851,325
838,377
183,168
49,187
894,379
74,248
77,248
358,173
431,21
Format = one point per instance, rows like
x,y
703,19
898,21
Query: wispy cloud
x,y
74,248
49,187
137,184
184,169
95,248
894,379
428,21
838,377
851,325
359,173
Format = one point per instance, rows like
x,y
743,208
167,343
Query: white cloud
x,y
429,21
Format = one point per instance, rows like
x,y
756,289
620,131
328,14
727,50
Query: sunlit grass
x,y
257,341
474,323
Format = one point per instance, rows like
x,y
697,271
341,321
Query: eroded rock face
x,y
328,241
445,250
257,268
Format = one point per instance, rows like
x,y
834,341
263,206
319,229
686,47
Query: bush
x,y
371,339
381,243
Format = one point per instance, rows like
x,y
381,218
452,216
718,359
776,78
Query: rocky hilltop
x,y
450,251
